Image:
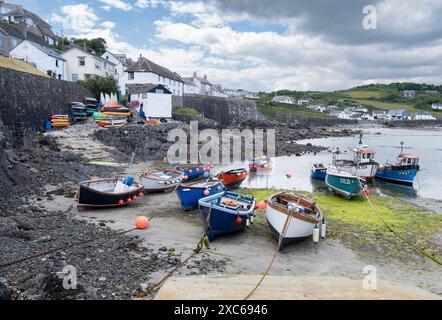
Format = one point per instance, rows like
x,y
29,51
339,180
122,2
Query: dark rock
x,y
164,249
5,293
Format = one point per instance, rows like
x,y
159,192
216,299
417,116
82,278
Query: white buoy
x,y
316,232
323,229
247,222
252,218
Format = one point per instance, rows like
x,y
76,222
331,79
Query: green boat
x,y
344,183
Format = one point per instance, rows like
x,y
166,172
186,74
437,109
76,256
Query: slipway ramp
x,y
286,288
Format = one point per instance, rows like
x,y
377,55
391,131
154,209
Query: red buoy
x,y
238,220
129,200
190,171
121,202
261,205
204,169
186,178
206,192
142,223
135,198
197,169
141,195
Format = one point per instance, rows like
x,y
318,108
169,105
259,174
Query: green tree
x,y
101,85
97,46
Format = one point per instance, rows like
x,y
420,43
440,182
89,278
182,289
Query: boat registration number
x,y
345,181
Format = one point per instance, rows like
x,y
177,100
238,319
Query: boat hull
x,y
398,174
89,198
223,220
318,173
193,172
348,187
233,179
189,196
155,184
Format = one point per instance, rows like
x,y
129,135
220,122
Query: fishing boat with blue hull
x,y
403,172
318,171
344,183
193,171
226,213
190,193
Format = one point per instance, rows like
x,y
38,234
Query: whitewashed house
x,y
190,87
155,99
202,86
409,93
83,65
47,60
399,114
217,91
122,62
305,101
361,109
284,99
423,116
345,115
436,106
379,114
146,72
319,108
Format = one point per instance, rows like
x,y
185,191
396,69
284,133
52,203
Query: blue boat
x,y
403,172
193,171
190,193
318,171
344,183
226,213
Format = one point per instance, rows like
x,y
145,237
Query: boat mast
x,y
402,147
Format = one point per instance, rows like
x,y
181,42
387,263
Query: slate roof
x,y
145,65
144,88
14,30
49,51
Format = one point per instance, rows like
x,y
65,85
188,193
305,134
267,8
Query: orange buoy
x,y
141,195
186,178
190,171
141,223
204,169
261,205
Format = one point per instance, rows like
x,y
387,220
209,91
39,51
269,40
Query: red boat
x,y
232,179
259,164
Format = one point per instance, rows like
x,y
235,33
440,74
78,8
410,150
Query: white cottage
x,y
122,62
147,72
155,99
83,65
202,86
46,59
423,116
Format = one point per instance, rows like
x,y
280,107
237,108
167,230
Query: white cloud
x,y
79,17
117,4
150,3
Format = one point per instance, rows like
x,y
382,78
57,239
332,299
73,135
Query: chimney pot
x,y
195,74
205,77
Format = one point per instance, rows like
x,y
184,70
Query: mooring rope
x,y
278,248
415,247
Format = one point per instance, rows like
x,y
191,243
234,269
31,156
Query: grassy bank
x,y
358,225
20,66
185,111
269,108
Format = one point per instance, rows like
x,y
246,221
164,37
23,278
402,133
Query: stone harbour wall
x,y
27,100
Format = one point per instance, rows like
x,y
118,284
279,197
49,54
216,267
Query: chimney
x,y
195,74
205,77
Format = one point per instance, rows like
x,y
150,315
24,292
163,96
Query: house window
x,y
97,64
14,43
74,77
159,78
173,91
159,91
179,92
59,77
131,75
81,61
1,42
144,95
56,63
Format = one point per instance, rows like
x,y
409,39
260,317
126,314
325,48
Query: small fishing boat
x,y
403,171
344,183
108,193
233,178
226,212
193,171
190,193
318,171
362,165
161,180
293,217
261,163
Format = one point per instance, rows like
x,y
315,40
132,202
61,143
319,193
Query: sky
x,y
266,45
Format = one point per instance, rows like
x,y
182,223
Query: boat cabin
x,y
408,159
363,154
